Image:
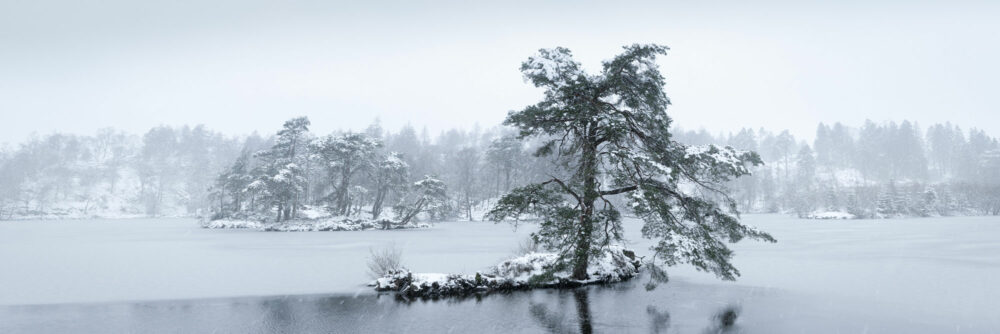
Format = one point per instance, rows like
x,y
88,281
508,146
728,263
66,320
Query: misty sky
x,y
244,65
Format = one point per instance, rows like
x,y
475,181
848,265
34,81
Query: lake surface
x,y
935,275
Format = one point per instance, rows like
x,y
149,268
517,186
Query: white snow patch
x,y
830,215
335,223
232,223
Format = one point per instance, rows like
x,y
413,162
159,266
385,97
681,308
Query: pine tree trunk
x,y
468,205
237,202
506,182
588,169
497,187
342,199
419,206
377,206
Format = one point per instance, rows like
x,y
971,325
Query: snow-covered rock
x,y
532,270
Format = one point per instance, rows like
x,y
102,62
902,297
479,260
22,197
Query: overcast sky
x,y
244,65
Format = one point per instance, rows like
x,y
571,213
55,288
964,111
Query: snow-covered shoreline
x,y
830,215
532,270
311,225
59,217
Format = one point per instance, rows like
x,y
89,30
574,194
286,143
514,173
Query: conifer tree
x,y
282,179
609,133
429,194
389,174
504,153
344,157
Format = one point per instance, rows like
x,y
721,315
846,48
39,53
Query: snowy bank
x,y
533,270
830,215
77,215
72,211
312,225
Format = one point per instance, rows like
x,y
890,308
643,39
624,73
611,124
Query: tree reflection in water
x,y
554,322
724,321
658,321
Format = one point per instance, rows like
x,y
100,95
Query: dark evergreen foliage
x,y
609,135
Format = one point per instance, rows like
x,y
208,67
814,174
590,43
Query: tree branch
x,y
619,190
565,188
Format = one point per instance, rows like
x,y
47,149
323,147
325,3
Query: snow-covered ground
x,y
904,275
830,215
323,224
312,219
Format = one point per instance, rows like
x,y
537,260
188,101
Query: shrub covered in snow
x,y
529,245
384,261
532,270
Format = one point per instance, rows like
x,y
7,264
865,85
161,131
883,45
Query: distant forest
x,y
877,170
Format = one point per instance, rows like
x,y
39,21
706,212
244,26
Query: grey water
x,y
934,275
627,308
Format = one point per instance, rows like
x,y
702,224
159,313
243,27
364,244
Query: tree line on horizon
x,y
875,170
878,170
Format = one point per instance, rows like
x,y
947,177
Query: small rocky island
x,y
532,270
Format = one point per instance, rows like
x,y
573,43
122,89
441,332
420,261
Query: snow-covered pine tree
x,y
784,147
989,163
887,201
503,154
610,134
804,192
928,201
466,163
901,200
428,195
281,178
745,189
831,200
345,156
390,174
853,206
155,167
823,146
232,184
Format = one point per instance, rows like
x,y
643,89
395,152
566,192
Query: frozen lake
x,y
934,275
